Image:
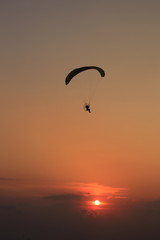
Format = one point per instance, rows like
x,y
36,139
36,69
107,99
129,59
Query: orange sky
x,y
45,134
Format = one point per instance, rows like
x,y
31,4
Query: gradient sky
x,y
45,134
55,158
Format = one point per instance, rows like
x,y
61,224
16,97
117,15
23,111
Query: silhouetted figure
x,y
87,107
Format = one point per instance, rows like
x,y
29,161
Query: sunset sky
x,y
49,146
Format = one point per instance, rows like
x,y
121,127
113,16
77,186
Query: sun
x,y
97,202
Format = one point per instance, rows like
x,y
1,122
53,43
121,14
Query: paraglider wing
x,y
81,69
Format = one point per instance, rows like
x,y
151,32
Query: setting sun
x,y
97,202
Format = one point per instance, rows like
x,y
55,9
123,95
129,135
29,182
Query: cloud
x,y
91,189
64,211
138,220
81,197
6,207
7,179
64,197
